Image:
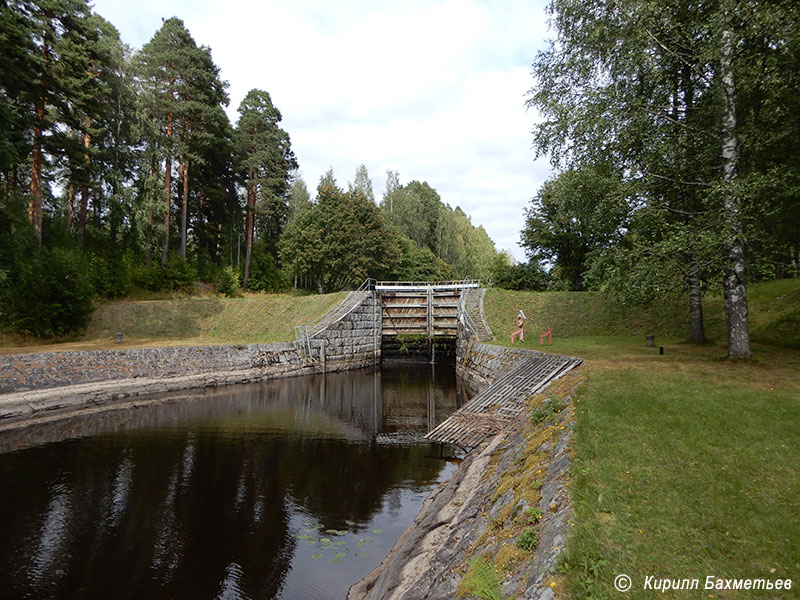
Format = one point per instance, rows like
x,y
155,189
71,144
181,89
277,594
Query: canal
x,y
291,489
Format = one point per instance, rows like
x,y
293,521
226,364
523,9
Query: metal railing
x,y
304,333
460,284
462,306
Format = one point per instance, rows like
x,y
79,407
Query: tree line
x,y
120,169
674,130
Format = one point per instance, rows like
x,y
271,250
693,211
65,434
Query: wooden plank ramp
x,y
503,402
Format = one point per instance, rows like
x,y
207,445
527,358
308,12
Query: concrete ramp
x,y
503,402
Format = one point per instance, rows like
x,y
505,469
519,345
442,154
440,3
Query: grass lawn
x,y
685,464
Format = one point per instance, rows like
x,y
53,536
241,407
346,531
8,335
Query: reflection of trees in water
x,y
201,504
172,530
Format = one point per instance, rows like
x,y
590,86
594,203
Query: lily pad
x,y
377,531
316,556
339,543
337,532
361,554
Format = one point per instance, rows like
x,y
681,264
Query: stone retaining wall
x,y
481,364
355,334
31,384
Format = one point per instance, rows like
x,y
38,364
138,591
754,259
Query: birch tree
x,y
639,83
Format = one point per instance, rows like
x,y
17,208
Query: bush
x,y
50,296
228,282
178,273
265,276
146,277
524,276
110,277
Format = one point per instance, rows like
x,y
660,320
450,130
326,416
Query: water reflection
x,y
288,489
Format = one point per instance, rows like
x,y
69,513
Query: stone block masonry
x,y
356,336
480,364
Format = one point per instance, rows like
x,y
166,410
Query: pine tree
x,y
266,160
184,89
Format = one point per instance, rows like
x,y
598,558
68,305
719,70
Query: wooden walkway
x,y
502,403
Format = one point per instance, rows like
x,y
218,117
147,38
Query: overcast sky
x,y
432,89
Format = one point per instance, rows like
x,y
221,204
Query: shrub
x,y
50,296
110,277
228,282
265,276
146,277
178,273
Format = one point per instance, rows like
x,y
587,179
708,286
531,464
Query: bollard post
x,y
651,341
118,338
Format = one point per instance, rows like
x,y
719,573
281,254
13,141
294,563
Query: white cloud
x,y
432,89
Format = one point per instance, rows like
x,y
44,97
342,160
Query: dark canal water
x,y
289,489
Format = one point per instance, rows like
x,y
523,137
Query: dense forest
x,y
120,170
674,128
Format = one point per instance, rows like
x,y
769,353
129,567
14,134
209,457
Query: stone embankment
x,y
37,385
509,485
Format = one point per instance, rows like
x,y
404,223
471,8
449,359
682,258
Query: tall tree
x,y
17,61
202,121
362,183
266,162
299,197
340,239
59,84
184,89
578,212
392,188
675,79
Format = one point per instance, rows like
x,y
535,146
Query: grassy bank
x,y
774,316
191,321
685,464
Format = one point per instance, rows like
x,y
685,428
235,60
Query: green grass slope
x,y
774,315
255,318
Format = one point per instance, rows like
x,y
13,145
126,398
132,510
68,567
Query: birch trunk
x,y
735,283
